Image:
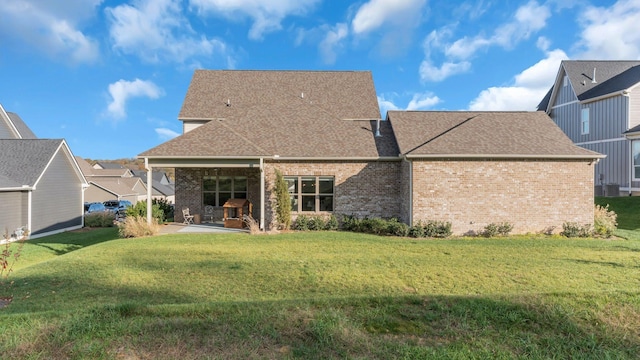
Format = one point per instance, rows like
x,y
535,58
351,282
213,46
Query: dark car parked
x,y
118,207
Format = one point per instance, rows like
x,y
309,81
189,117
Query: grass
x,y
628,210
324,295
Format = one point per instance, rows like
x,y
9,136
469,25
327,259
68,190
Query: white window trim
x,y
584,111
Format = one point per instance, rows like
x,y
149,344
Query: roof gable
x,y
216,94
294,114
482,134
28,159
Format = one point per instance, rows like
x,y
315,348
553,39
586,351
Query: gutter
x,y
505,156
620,93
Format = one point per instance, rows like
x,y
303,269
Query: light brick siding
x,y
189,189
533,196
363,189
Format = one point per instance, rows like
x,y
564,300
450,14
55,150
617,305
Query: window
x,y
216,190
311,193
565,81
635,145
584,124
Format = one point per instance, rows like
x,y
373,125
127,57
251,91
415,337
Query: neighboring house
x,y
115,183
597,104
322,130
163,188
41,185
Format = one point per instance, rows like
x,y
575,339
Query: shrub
x,y
99,219
316,223
10,254
374,226
417,230
140,209
437,229
332,223
166,207
137,226
605,221
397,228
573,229
350,223
301,223
494,229
253,225
283,201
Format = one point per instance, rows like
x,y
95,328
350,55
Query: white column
x,y
261,194
149,189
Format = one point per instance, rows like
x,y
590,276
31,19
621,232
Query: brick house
x,y
322,130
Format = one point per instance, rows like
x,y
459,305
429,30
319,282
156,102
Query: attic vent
x,y
593,79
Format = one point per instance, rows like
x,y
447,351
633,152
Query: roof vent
x,y
302,95
228,102
378,134
593,79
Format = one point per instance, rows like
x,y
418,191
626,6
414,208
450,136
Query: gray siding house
x,y
322,130
597,104
41,185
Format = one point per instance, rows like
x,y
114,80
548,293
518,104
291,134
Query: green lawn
x,y
324,295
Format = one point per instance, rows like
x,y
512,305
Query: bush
x,y
350,223
332,223
166,207
573,229
605,221
417,230
99,219
494,229
437,229
283,201
301,223
140,210
397,228
316,223
137,226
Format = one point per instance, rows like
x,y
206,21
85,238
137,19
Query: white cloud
x,y
419,101
527,20
376,13
267,15
156,30
430,72
122,90
528,89
51,27
166,134
610,33
331,41
422,101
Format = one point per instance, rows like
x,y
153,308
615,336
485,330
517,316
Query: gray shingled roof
x,y
308,114
610,77
22,127
482,134
27,161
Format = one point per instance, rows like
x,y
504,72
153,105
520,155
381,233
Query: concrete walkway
x,y
218,228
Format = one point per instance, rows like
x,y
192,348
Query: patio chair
x,y
208,213
188,218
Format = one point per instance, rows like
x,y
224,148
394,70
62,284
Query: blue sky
x,y
110,76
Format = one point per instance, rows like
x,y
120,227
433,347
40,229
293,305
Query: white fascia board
x,y
498,156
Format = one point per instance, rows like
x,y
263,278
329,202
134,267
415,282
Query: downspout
x,y
630,150
410,164
262,182
149,188
30,201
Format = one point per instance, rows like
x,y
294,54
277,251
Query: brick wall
x,y
361,188
534,195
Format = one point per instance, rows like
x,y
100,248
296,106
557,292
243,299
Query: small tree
x,y
283,201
